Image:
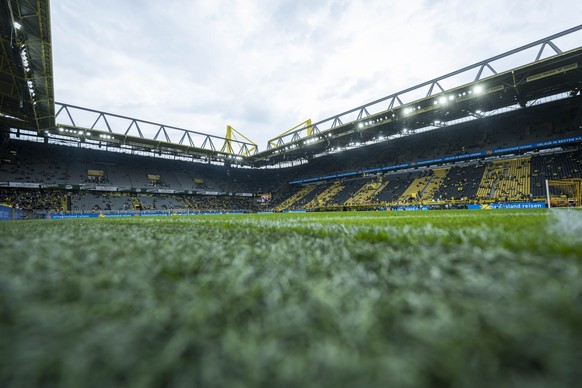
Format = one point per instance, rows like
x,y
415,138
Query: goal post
x,y
564,192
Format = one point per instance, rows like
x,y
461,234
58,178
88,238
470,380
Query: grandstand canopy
x,y
27,101
559,73
26,76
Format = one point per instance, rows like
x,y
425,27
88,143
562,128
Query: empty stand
x,y
562,165
460,182
292,200
506,180
368,193
436,180
325,197
416,187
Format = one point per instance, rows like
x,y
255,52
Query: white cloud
x,y
264,66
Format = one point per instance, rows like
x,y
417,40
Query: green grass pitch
x,y
401,299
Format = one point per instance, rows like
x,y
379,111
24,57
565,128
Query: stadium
x,y
427,238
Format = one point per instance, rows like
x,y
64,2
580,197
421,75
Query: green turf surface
x,y
406,299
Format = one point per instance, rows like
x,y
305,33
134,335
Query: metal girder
x,y
337,122
165,133
113,128
393,102
428,94
552,45
278,141
401,100
363,113
244,150
482,67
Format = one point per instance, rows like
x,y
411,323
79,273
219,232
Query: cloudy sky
x,y
264,66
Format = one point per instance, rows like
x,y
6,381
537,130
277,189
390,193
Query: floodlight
x,y
61,129
451,97
17,25
360,125
442,100
478,89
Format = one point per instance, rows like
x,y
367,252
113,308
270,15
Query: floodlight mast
x,y
231,136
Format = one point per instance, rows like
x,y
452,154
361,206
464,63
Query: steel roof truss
x,y
363,112
480,72
552,45
102,116
429,91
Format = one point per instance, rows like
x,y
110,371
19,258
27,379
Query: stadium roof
x,y
435,106
27,100
549,72
26,74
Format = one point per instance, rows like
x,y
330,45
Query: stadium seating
x,y
91,179
33,200
511,179
325,197
435,182
366,193
561,165
350,188
414,190
460,182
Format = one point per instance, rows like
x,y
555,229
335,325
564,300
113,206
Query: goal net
x,y
564,192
